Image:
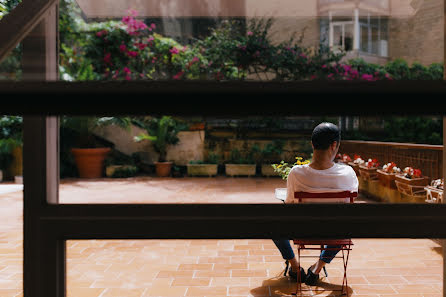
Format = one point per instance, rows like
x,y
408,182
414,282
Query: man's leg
x,y
287,252
325,258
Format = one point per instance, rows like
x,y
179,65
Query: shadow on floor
x,y
282,286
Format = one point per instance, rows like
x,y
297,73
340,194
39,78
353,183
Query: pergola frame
x,y
48,225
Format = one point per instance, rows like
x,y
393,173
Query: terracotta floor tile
x,y
165,291
184,267
123,292
207,291
84,292
192,282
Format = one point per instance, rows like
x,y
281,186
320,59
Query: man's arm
x,y
291,188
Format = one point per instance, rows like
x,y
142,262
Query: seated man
x,y
321,175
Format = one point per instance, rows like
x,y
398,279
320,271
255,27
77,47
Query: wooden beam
x,y
16,25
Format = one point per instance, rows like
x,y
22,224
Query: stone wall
x,y
194,146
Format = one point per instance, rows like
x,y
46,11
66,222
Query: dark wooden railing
x,y
427,158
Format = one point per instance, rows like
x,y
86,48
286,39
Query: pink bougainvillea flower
x,y
107,58
122,47
249,33
330,75
313,77
178,75
195,59
153,26
126,70
132,54
324,66
367,76
174,51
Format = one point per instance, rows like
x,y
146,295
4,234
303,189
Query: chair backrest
x,y
326,195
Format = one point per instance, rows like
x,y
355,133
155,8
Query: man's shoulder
x,y
345,169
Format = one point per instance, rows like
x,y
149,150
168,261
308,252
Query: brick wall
x,y
420,37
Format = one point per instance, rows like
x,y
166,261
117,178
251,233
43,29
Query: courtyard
x,y
242,267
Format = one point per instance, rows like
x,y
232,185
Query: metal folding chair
x,y
319,244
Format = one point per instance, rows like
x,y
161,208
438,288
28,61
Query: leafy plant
x,y
84,126
284,168
162,132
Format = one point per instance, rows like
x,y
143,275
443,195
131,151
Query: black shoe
x,y
311,278
293,275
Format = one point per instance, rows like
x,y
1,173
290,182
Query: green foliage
x,y
125,171
162,132
272,151
414,129
237,157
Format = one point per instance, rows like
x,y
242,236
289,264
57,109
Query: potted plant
x,y
283,169
411,182
162,132
386,175
239,165
343,158
357,161
6,154
11,147
368,170
208,167
271,155
412,176
88,153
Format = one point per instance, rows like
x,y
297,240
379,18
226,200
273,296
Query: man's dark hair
x,y
324,135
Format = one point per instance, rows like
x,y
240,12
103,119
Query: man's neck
x,y
321,161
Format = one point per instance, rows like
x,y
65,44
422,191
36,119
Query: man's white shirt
x,y
338,178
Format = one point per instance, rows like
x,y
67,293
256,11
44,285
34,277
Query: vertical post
x,y
356,31
44,254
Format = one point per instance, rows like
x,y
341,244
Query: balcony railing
x,y
427,158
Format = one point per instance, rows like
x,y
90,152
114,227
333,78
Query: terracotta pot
x,y
90,161
163,168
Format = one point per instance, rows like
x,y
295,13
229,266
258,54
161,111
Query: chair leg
x,y
345,262
299,285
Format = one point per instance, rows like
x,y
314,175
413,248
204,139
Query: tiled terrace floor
x,y
377,267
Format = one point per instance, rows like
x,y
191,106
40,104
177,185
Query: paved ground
x,y
103,268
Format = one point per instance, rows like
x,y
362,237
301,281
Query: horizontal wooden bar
x,y
233,98
245,221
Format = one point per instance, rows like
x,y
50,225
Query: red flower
x,y
416,173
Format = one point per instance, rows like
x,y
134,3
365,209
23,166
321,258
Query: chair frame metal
x,y
319,244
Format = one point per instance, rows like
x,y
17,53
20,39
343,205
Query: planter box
x,y
368,173
386,179
422,181
202,169
240,169
412,187
268,170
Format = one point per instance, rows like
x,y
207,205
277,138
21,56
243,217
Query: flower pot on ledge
x,y
386,179
411,186
202,169
240,169
368,173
